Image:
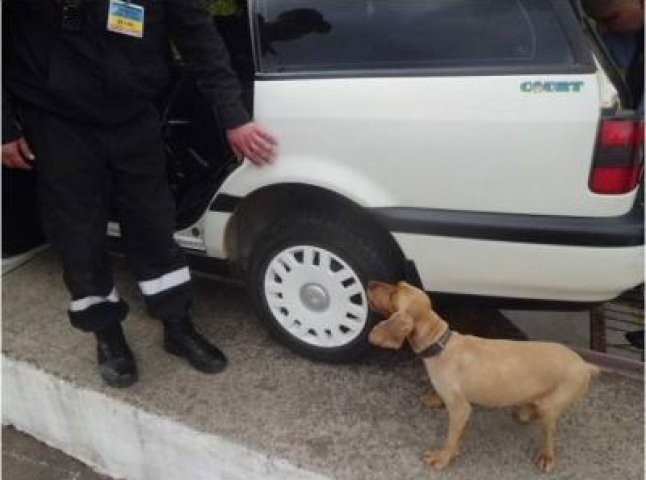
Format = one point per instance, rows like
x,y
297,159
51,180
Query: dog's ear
x,y
391,333
379,294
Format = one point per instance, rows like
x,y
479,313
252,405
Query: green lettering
x,y
576,86
526,86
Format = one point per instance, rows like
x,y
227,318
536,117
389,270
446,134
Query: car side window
x,y
350,35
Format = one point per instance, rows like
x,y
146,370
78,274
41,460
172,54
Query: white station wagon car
x,y
478,148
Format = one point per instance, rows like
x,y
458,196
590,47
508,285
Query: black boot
x,y
116,362
181,339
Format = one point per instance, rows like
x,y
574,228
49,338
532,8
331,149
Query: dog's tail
x,y
594,370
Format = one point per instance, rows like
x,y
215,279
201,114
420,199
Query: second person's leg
x,y
74,195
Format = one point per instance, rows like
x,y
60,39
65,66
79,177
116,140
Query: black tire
x,y
357,244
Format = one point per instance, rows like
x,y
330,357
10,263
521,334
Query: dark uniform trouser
x,y
82,170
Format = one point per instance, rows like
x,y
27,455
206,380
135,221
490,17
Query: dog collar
x,y
438,347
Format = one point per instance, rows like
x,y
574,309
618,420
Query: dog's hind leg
x,y
550,407
432,400
459,411
545,458
526,413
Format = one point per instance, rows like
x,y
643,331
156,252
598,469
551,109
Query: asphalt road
x,y
24,458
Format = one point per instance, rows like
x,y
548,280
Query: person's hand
x,y
252,142
17,154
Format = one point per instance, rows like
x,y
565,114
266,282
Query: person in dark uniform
x,y
621,25
79,82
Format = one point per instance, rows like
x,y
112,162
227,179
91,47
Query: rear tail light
x,y
618,159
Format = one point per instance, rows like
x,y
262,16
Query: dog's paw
x,y
432,400
437,459
545,461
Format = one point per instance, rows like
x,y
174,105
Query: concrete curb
x,y
122,441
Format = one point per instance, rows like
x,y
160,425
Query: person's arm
x,y
201,47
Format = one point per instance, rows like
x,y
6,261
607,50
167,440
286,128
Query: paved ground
x,y
24,458
353,421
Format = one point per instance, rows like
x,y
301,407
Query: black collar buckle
x,y
438,347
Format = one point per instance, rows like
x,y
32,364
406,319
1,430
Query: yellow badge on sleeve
x,y
126,18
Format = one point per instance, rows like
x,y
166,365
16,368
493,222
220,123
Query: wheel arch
x,y
258,210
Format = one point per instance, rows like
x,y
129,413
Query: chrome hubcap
x,y
315,297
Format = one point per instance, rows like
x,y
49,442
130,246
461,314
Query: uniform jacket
x,y
99,77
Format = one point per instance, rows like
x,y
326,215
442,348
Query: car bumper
x,y
569,259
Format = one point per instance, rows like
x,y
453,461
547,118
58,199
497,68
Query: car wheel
x,y
307,279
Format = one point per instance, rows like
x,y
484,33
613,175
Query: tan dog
x,y
541,379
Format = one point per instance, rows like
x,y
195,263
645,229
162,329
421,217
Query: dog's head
x,y
404,305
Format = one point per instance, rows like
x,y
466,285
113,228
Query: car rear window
x,y
338,35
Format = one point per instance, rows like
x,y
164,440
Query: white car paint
x,y
608,95
523,270
464,143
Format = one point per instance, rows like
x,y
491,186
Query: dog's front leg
x,y
459,411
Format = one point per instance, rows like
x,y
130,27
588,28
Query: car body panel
x,y
464,143
523,270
